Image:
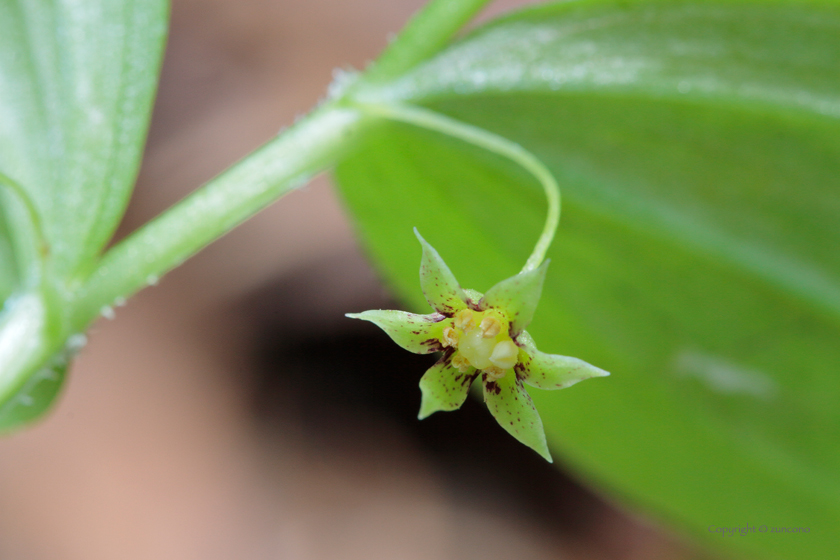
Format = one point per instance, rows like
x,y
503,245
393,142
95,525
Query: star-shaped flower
x,y
482,335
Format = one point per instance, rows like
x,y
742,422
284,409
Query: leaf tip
x,y
427,408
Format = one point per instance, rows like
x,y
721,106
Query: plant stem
x,y
431,120
310,146
422,37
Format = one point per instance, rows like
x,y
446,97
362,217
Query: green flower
x,y
482,335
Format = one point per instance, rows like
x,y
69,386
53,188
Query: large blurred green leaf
x,y
698,147
8,266
77,81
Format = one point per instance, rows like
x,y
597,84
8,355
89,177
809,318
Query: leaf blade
x,y
77,85
696,260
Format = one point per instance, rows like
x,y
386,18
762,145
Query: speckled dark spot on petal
x,y
433,344
492,387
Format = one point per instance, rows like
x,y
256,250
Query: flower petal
x,y
550,371
439,285
518,297
420,334
444,387
511,405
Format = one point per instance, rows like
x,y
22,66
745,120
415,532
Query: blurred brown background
x,y
232,411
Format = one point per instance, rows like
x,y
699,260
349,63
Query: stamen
x,y
464,319
461,363
490,327
450,337
505,354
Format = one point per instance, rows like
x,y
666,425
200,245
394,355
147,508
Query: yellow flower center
x,y
483,342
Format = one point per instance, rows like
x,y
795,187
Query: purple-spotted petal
x,y
444,387
511,405
420,334
550,371
439,285
517,297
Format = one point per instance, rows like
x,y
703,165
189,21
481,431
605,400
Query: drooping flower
x,y
482,336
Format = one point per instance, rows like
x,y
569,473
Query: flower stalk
x,y
430,120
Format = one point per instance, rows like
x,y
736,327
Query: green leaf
x,y
77,80
36,396
698,148
518,296
550,371
8,265
443,387
509,403
420,334
439,285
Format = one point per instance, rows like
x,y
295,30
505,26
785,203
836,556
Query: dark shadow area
x,y
341,381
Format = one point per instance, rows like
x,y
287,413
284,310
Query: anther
x,y
490,327
464,319
461,363
450,337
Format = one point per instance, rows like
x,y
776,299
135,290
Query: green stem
x,y
423,36
312,145
430,120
